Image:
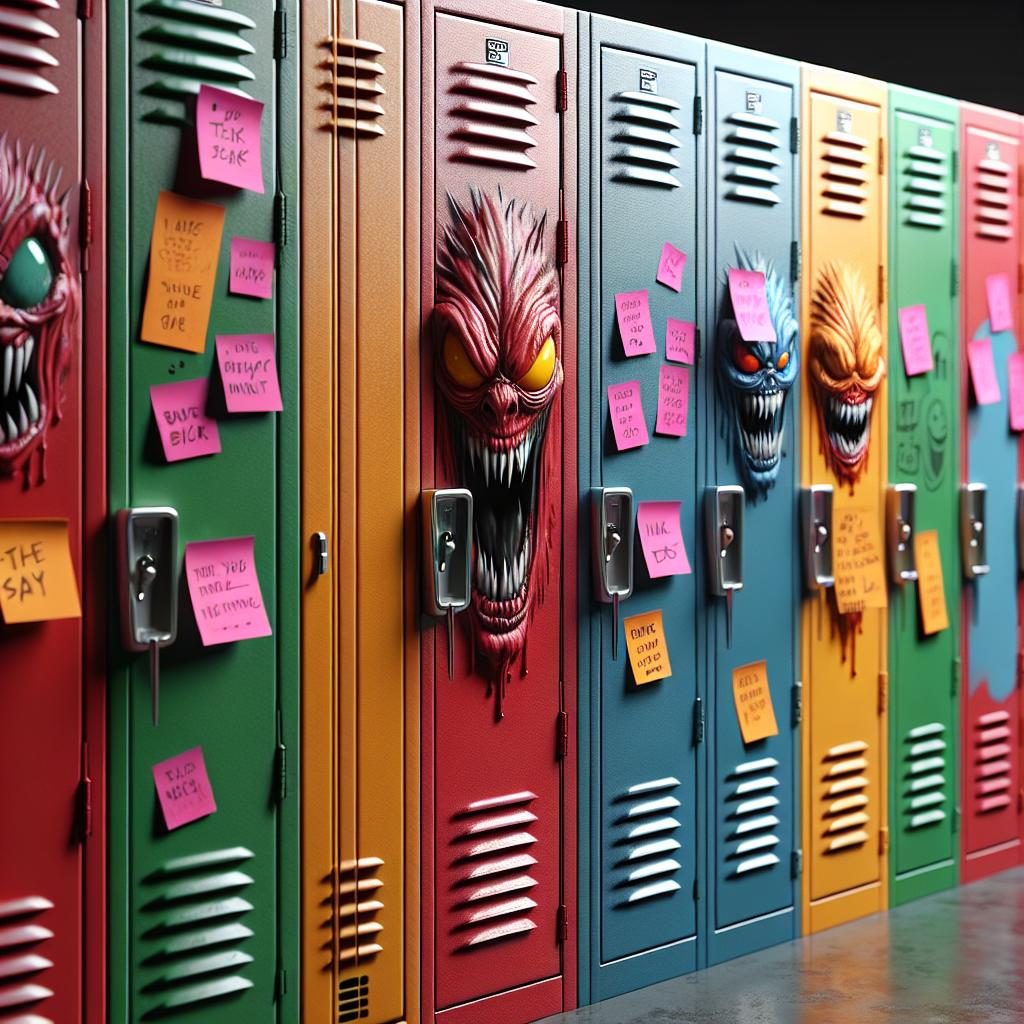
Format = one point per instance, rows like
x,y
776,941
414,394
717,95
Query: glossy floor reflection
x,y
954,958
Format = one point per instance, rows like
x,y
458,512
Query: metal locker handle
x,y
723,533
611,537
900,503
816,543
973,539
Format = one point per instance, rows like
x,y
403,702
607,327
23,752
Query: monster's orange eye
x,y
746,360
457,363
537,376
782,362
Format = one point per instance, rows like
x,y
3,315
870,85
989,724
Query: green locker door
x,y
924,452
204,919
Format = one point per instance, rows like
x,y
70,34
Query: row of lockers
x,y
442,785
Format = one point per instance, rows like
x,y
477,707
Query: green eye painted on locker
x,y
29,276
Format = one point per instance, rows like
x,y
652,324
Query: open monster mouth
x,y
22,407
848,424
760,417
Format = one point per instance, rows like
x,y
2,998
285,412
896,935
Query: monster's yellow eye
x,y
782,362
537,376
457,363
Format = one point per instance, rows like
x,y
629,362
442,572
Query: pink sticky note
x,y
916,340
1000,305
228,135
983,371
661,537
225,590
1015,372
180,410
627,412
183,788
633,312
673,400
670,266
750,305
248,370
252,268
679,336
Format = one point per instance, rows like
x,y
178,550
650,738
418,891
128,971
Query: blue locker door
x,y
641,846
753,196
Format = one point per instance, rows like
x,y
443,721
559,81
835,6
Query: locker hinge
x,y
1020,278
883,841
696,890
562,242
881,156
280,34
698,720
280,222
696,345
84,822
84,10
883,692
698,115
85,221
955,674
794,135
796,863
1020,800
954,284
956,818
798,702
562,725
881,285
281,983
956,165
563,924
562,91
281,763
794,261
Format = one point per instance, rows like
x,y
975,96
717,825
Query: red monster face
x,y
39,305
497,364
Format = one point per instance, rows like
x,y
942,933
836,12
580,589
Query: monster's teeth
x,y
510,465
19,365
8,366
12,430
30,347
22,418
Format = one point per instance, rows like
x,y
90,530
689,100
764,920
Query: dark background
x,y
971,49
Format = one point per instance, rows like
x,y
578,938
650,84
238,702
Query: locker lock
x,y
611,532
973,548
899,514
723,532
816,526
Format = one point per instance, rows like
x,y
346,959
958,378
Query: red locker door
x,y
52,336
499,419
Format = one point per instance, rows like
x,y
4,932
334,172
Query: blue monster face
x,y
754,379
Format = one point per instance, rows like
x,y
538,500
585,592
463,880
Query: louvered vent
x,y
846,178
492,850
992,761
752,836
925,775
194,931
992,199
22,964
355,107
359,886
645,127
25,62
845,816
750,144
926,192
353,998
646,841
189,43
491,118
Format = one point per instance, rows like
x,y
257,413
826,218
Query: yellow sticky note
x,y
858,560
647,646
931,594
37,577
753,699
183,253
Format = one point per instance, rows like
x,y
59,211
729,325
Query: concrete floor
x,y
954,958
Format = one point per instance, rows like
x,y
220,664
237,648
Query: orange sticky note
x,y
753,699
859,568
183,253
37,577
931,594
648,647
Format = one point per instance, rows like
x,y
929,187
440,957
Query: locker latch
x,y
973,549
816,523
899,527
320,553
611,538
723,532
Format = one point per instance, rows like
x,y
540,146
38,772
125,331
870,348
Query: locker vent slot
x,y
926,187
22,962
647,841
992,765
992,200
189,44
646,127
492,855
359,891
845,188
924,777
491,120
24,60
354,106
845,812
752,829
353,998
193,931
750,144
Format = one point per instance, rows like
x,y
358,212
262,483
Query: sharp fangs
x,y
12,430
19,365
8,367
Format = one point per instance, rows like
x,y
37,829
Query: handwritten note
x,y
183,255
983,371
753,699
916,340
859,568
625,407
661,538
648,647
248,369
37,576
1015,375
633,311
228,134
670,266
225,590
679,340
750,305
931,594
673,400
183,788
252,268
186,432
1000,303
